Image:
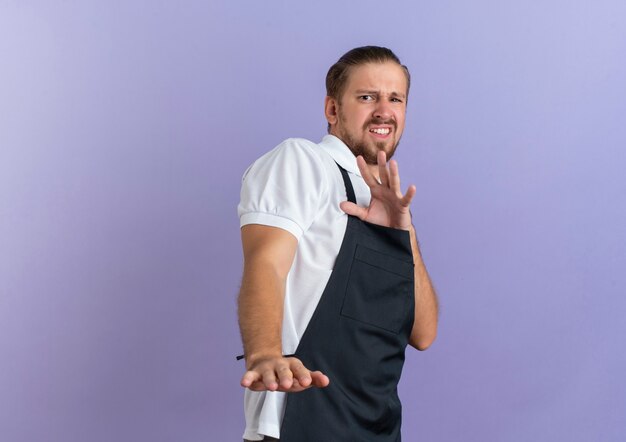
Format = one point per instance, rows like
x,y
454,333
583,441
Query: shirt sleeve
x,y
284,188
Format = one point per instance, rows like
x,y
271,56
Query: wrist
x,y
258,356
413,232
414,240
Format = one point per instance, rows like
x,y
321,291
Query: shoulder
x,y
293,149
293,156
285,187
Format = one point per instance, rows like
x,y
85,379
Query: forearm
x,y
268,255
426,305
261,311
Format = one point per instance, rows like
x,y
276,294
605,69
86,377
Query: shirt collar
x,y
338,150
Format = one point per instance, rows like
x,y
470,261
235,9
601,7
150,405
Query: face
x,y
370,115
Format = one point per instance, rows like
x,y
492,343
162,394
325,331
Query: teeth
x,y
380,131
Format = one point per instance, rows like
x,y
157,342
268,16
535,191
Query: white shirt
x,y
298,187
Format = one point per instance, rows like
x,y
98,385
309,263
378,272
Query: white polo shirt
x,y
297,187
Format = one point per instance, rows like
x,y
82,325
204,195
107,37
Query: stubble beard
x,y
369,151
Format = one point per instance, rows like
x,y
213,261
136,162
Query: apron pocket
x,y
379,289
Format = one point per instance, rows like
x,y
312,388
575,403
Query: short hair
x,y
338,73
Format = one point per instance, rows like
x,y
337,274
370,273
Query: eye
x,y
365,98
396,100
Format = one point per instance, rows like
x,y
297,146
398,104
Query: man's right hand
x,y
280,373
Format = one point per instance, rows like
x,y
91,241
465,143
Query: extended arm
x,y
389,207
268,255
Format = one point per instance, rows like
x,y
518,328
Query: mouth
x,y
380,132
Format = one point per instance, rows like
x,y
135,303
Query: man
x,y
333,290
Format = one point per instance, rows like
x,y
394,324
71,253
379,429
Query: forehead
x,y
388,77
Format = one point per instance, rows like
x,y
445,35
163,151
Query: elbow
x,y
423,342
422,345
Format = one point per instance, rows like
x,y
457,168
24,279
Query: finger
x,y
249,378
319,379
366,173
296,387
285,377
383,173
269,379
258,386
353,209
408,196
394,182
301,374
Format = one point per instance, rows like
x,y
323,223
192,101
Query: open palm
x,y
388,206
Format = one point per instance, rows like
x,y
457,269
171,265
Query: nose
x,y
382,111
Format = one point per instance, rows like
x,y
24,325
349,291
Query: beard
x,y
369,149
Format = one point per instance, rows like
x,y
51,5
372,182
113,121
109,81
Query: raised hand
x,y
388,206
286,374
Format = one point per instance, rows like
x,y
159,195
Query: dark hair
x,y
338,73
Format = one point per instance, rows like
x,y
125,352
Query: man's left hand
x,y
388,206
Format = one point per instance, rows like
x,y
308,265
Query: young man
x,y
334,286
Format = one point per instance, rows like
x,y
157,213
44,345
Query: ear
x,y
330,110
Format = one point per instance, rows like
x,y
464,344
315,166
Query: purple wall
x,y
125,128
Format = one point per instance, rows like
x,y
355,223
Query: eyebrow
x,y
374,92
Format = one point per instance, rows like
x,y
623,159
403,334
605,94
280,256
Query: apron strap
x,y
348,184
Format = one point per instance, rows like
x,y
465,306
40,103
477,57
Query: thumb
x,y
352,209
319,379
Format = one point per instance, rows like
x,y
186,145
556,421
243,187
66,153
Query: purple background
x,y
125,128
